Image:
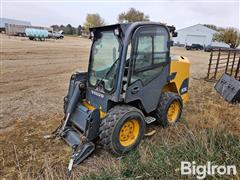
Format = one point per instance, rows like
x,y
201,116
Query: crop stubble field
x,y
34,80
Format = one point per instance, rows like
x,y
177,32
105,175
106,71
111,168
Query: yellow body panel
x,y
180,66
90,107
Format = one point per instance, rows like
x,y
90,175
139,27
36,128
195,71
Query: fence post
x,y
237,70
218,59
209,65
229,52
233,62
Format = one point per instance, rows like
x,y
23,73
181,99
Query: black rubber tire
x,y
111,125
166,99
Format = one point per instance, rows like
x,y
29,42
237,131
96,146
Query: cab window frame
x,y
134,50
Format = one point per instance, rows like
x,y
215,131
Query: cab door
x,y
149,65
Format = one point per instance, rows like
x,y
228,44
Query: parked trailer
x,y
35,34
19,30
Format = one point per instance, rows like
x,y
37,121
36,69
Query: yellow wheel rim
x,y
129,132
173,112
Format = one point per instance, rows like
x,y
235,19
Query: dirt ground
x,y
34,80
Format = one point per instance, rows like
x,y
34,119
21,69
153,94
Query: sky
x,y
180,14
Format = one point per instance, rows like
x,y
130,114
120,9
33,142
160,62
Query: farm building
x,y
197,34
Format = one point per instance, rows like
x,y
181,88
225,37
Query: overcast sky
x,y
181,14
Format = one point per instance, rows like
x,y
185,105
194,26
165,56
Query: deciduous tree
x,y
230,36
132,15
211,26
93,20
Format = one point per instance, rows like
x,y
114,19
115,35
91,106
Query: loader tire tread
x,y
161,111
108,124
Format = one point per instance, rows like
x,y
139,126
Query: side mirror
x,y
174,34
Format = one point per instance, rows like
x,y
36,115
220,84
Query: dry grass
x,y
209,131
161,159
26,154
207,109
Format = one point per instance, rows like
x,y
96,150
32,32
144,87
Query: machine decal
x,y
97,94
184,87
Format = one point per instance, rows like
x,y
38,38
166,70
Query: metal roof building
x,y
197,34
4,21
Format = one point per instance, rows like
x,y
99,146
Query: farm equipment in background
x,y
227,63
34,34
56,35
41,34
131,81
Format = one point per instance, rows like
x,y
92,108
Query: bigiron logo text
x,y
201,171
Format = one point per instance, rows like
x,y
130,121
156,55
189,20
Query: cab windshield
x,y
105,54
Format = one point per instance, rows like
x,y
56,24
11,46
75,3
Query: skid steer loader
x,y
131,81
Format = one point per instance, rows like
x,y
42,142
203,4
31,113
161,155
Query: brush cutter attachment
x,y
229,88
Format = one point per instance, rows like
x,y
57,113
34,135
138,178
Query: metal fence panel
x,y
223,61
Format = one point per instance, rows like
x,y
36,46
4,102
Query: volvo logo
x,y
97,94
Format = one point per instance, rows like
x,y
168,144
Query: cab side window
x,y
144,52
150,53
160,49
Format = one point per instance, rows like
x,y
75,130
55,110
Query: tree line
x,y
230,36
95,20
68,29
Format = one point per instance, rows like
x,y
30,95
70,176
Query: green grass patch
x,y
162,159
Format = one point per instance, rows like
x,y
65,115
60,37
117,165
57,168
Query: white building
x,y
197,34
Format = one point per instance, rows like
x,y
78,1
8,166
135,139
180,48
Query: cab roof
x,y
122,26
125,26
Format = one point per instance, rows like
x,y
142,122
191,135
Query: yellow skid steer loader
x,y
131,81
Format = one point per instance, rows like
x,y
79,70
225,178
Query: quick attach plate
x,y
229,88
